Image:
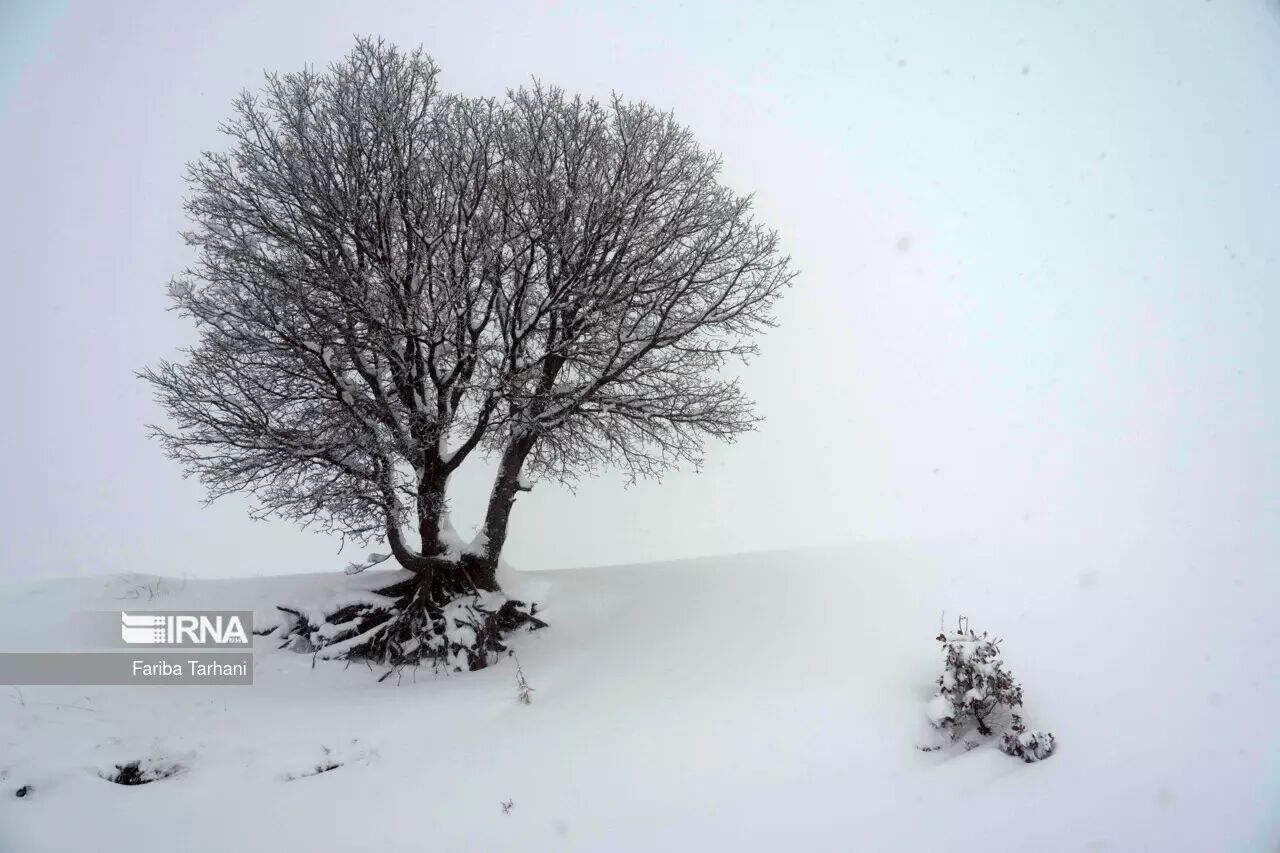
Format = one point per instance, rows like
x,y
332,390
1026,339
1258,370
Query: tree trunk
x,y
483,568
431,506
440,578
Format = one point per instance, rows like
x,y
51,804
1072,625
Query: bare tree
x,y
390,279
630,276
340,297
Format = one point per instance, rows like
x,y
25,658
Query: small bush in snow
x,y
973,684
1027,745
974,681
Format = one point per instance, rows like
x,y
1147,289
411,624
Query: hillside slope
x,y
740,702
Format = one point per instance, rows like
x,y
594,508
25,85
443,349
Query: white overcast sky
x,y
1039,243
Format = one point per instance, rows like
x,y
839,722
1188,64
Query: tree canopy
x,y
390,278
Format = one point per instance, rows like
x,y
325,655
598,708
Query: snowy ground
x,y
738,702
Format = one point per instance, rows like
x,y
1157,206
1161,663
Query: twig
x,y
523,690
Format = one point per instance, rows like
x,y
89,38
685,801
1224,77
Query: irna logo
x,y
183,629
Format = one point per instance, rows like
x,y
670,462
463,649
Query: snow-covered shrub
x,y
1027,745
973,684
974,681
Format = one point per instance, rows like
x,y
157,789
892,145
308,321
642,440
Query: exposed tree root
x,y
464,632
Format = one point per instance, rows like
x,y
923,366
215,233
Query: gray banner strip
x,y
145,668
